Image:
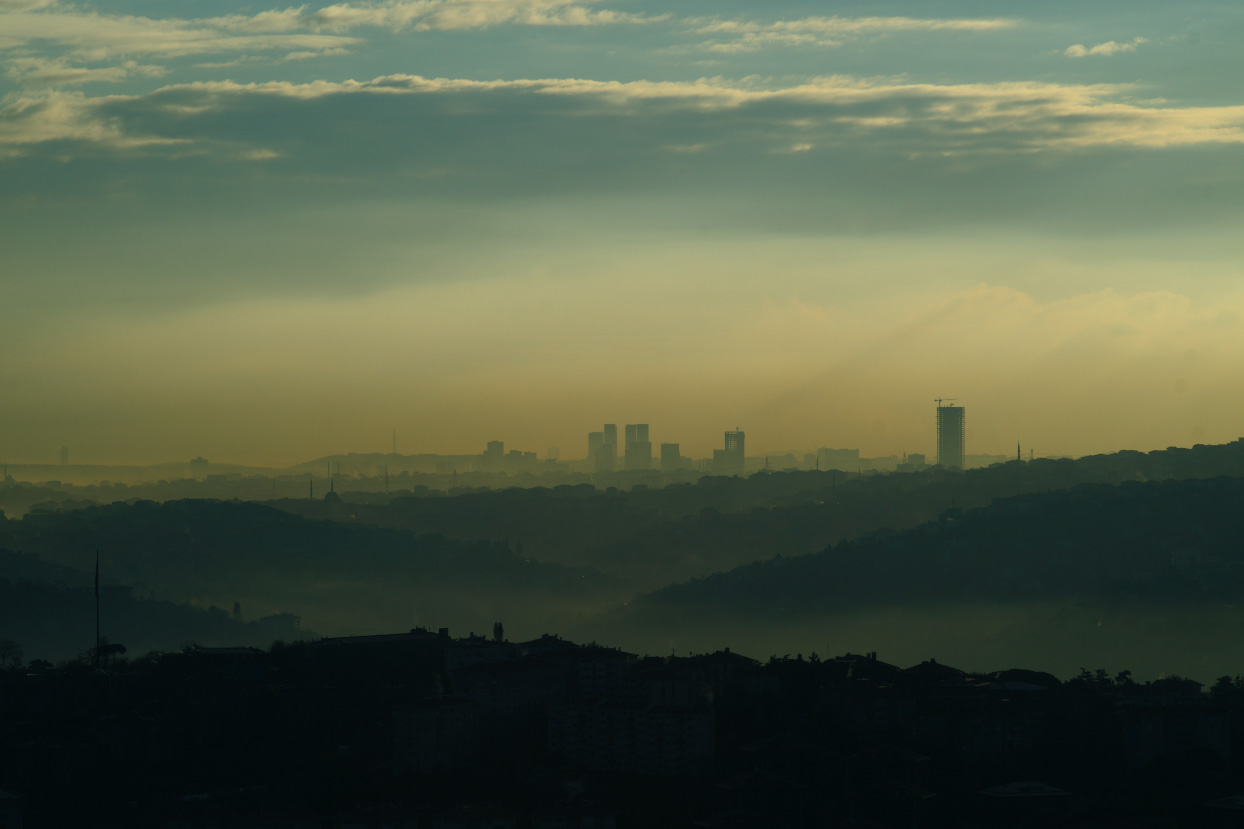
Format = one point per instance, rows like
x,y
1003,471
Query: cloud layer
x,y
750,35
930,119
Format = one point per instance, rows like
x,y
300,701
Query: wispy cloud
x,y
909,118
69,36
66,117
469,14
99,37
59,72
1110,47
750,35
24,5
425,15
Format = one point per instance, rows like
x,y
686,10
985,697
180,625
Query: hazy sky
x,y
267,233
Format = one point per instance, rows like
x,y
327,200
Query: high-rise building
x,y
638,447
602,448
494,455
950,436
64,456
611,439
671,458
599,453
731,460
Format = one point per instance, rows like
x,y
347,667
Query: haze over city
x,y
266,235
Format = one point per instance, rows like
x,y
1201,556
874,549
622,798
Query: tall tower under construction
x,y
731,460
950,443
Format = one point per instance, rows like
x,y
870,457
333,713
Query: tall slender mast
x,y
97,653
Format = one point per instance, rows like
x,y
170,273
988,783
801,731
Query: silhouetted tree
x,y
105,654
10,655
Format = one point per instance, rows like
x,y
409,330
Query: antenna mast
x,y
97,653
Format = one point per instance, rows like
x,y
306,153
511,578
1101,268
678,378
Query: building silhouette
x,y
638,447
671,458
64,456
847,460
494,455
730,460
950,436
602,448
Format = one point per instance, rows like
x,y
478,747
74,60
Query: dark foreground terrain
x,y
424,730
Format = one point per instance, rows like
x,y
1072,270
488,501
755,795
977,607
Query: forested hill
x,y
652,537
1154,542
50,612
336,576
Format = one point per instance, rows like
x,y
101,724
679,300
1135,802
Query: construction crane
x,y
939,400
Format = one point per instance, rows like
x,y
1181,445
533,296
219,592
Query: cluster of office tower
x,y
602,451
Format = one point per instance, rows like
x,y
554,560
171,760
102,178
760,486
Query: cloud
x,y
425,15
24,5
877,115
300,32
747,35
58,72
1106,49
65,117
100,37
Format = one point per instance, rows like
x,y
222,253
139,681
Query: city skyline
x,y
604,455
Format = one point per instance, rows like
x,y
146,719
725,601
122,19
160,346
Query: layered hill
x,y
336,576
652,537
1141,575
49,611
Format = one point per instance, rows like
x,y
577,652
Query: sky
x,y
266,233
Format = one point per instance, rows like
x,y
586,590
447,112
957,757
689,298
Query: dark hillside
x,y
336,576
651,537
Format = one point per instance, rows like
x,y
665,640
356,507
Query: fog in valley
x,y
1124,561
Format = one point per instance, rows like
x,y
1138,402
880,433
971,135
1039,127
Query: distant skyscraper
x,y
494,455
732,459
602,448
611,437
64,456
950,436
671,458
600,452
638,447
